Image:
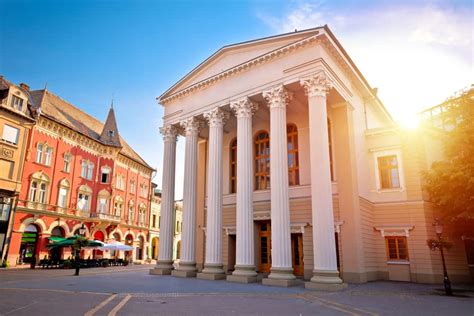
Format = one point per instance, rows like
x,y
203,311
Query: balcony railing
x,y
104,216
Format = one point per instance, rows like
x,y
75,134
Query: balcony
x,y
105,217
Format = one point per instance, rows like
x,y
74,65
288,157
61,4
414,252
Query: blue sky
x,y
416,53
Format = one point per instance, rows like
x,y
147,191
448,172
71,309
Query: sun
x,y
410,121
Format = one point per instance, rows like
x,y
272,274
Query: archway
x,y
141,246
155,247
129,242
57,252
29,244
97,254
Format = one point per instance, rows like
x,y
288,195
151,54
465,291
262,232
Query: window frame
x,y
293,171
378,183
233,166
17,138
265,174
397,246
14,104
67,162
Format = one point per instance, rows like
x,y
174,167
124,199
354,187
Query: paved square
x,y
132,291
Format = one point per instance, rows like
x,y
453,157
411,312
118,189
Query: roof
x,y
5,87
56,109
110,134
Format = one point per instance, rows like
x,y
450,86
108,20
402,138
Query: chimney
x,y
24,86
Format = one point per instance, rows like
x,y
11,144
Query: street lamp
x,y
439,231
77,259
82,230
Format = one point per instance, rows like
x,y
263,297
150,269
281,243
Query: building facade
x,y
155,205
17,118
294,168
79,171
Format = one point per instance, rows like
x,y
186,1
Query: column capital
x,y
244,107
169,132
191,126
316,85
277,97
216,117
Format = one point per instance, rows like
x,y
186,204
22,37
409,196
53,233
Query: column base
x,y
241,278
325,280
212,272
184,273
163,267
283,277
279,282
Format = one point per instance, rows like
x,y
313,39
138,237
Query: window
x,y
233,166
177,226
42,193
87,169
131,210
120,182
143,190
67,163
118,206
102,205
84,198
388,172
10,134
47,156
262,161
6,169
331,163
132,187
141,215
105,175
103,199
397,248
154,220
39,153
17,103
63,193
159,221
5,209
293,159
33,188
90,169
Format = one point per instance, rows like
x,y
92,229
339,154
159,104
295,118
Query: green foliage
x,y
435,244
125,262
67,264
450,182
80,243
5,264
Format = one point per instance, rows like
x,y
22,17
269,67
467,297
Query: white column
x,y
245,253
213,263
164,264
324,245
187,264
277,100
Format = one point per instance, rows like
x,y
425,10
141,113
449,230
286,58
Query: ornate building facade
x,y
79,171
294,168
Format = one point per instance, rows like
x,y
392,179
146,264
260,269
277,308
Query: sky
x,y
417,53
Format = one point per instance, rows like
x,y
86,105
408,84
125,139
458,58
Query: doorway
x,y
29,241
265,245
297,254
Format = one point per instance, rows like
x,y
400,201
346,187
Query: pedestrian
x,y
33,262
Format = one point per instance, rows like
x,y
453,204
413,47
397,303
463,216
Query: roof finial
x,y
46,85
112,101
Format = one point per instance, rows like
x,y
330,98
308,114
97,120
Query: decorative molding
x,y
298,228
170,133
230,230
191,126
337,226
283,51
387,231
317,85
244,108
277,97
216,117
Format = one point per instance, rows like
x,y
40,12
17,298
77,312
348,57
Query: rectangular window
x,y
132,187
67,163
39,153
90,170
42,193
6,169
83,203
10,134
84,169
5,210
62,199
397,248
17,103
47,157
154,220
104,177
102,205
388,171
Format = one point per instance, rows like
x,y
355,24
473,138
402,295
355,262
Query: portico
x,y
260,130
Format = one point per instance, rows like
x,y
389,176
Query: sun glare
x,y
410,121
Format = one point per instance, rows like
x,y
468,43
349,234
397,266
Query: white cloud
x,y
416,54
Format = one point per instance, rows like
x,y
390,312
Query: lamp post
x,y
82,231
439,231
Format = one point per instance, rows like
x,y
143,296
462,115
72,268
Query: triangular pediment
x,y
233,55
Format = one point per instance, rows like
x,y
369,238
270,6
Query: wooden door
x,y
265,243
297,254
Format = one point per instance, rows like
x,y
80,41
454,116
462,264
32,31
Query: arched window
x,y
118,206
293,159
84,198
262,161
63,193
33,188
233,166
131,211
331,164
39,187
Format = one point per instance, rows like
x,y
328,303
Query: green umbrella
x,y
56,239
69,242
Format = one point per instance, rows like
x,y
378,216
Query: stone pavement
x,y
132,291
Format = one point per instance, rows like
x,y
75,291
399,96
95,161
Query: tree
x,y
450,182
78,244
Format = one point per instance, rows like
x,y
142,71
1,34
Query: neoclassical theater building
x,y
294,169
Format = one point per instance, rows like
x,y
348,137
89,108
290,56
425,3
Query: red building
x,y
78,171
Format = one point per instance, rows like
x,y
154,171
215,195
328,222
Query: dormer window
x,y
111,133
17,103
